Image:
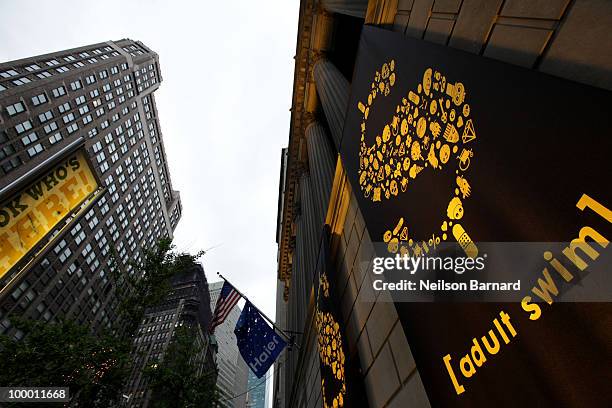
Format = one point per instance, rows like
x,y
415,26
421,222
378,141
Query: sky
x,y
223,105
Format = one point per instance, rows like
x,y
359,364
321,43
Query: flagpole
x,y
261,313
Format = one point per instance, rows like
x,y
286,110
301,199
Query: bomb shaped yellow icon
x,y
454,211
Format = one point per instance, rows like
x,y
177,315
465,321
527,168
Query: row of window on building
x,y
21,75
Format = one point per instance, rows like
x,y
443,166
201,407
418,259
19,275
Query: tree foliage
x,y
146,284
95,366
177,381
65,354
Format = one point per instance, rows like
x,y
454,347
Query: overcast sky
x,y
224,102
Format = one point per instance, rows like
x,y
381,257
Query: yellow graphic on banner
x,y
26,218
331,350
429,128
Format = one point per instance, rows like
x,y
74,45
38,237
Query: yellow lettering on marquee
x,y
39,213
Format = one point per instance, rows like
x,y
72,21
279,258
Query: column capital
x,y
307,119
314,56
320,10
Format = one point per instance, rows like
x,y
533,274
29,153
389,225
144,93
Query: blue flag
x,y
259,345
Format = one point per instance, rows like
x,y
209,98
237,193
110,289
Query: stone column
x,y
333,90
311,227
322,162
355,8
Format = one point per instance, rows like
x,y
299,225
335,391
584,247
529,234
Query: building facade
x,y
188,304
233,371
256,391
97,100
561,37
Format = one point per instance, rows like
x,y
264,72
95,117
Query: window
x,y
45,116
32,137
78,64
38,99
51,63
69,58
20,289
114,70
50,127
6,151
80,100
23,127
43,75
103,74
72,128
94,93
65,107
34,150
90,79
2,88
68,118
21,81
15,108
62,69
87,119
55,138
9,73
106,88
11,164
76,85
32,67
59,91
84,54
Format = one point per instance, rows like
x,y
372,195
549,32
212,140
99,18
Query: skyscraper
x,y
82,172
187,304
257,391
233,371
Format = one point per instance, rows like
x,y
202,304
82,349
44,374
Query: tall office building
x,y
82,172
187,304
256,391
561,37
233,371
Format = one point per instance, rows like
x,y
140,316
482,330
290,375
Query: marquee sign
x,y
27,217
442,146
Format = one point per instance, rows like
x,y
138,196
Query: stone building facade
x,y
560,37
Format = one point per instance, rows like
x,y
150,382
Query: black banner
x,y
341,384
445,146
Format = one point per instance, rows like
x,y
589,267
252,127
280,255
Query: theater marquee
x,y
27,217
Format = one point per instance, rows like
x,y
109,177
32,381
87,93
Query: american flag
x,y
226,302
